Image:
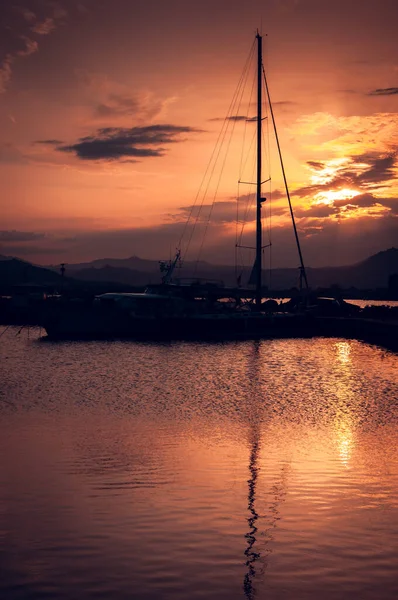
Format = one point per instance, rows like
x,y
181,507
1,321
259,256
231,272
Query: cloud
x,y
225,212
9,153
368,201
123,104
285,103
365,171
118,105
31,250
382,168
282,104
109,99
31,46
114,143
20,31
57,9
5,73
316,165
26,13
323,134
277,194
325,241
45,27
221,212
49,142
234,118
20,236
392,91
317,211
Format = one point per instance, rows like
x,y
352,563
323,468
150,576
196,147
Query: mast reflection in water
x,y
251,555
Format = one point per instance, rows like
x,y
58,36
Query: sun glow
x,y
328,171
329,196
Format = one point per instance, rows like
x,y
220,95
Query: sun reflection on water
x,y
343,425
345,440
343,353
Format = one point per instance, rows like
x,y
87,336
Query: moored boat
x,y
188,311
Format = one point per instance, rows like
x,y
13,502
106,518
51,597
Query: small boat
x,y
188,311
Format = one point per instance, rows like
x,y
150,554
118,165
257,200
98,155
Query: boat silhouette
x,y
195,309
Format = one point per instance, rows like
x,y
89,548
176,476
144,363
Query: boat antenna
x,y
303,274
259,166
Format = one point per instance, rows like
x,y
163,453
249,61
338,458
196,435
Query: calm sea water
x,y
363,303
192,470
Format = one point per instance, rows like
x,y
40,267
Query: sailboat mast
x,y
303,273
259,168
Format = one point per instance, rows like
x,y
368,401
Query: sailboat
x,y
175,311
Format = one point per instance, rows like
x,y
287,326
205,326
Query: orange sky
x,y
147,84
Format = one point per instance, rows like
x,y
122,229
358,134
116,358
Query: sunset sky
x,y
110,111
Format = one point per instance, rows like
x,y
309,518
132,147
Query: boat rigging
x,y
194,311
194,216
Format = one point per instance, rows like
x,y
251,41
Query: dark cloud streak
x,y
114,143
391,91
234,118
49,142
20,236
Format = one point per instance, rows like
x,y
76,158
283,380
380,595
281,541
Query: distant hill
x,y
126,273
108,273
370,273
14,271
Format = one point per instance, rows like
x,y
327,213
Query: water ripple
x,y
262,469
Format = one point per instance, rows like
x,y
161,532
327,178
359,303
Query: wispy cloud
x,y
37,26
323,132
110,99
26,13
45,27
31,47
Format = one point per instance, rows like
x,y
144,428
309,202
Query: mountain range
x,y
374,272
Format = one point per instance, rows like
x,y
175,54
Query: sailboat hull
x,y
96,325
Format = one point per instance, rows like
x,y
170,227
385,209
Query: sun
x,y
330,196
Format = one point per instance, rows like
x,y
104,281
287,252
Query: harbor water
x,y
255,469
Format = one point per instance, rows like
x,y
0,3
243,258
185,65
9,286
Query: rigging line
x,y
241,159
221,134
6,329
249,194
242,168
269,180
199,193
244,138
270,170
234,121
242,149
249,204
304,274
236,232
208,184
204,194
225,124
266,136
215,194
250,201
250,147
269,186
